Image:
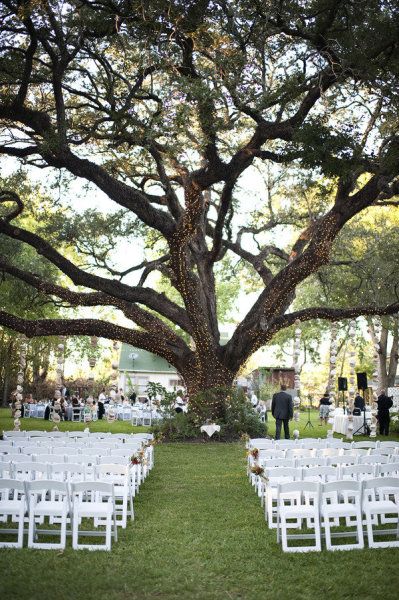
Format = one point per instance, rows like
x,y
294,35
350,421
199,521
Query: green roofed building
x,y
138,367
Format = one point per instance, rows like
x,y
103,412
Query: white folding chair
x,y
388,470
270,464
37,434
47,498
320,474
93,499
338,461
8,448
312,443
6,470
328,452
299,453
12,504
60,450
14,435
303,503
389,444
119,476
36,450
381,498
334,443
48,458
373,459
342,499
77,414
358,472
67,472
283,444
384,450
30,471
357,452
274,478
97,451
16,458
311,461
101,435
78,435
365,444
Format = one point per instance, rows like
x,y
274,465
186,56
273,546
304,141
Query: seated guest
x,y
101,407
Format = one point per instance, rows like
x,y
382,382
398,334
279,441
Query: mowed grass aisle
x,y
199,534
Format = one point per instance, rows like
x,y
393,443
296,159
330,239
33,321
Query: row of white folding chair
x,y
326,460
319,443
67,443
323,505
61,502
63,451
111,472
74,435
31,470
88,455
325,452
320,474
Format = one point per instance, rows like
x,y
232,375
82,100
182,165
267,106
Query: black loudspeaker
x,y
342,384
362,381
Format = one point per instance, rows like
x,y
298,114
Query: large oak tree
x,y
166,107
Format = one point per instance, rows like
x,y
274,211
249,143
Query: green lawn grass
x,y
199,534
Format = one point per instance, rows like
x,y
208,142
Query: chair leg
x,y
108,533
131,507
370,536
360,537
327,528
21,528
284,540
317,533
75,531
31,529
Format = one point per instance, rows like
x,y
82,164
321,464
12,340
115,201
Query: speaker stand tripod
x,y
309,422
364,426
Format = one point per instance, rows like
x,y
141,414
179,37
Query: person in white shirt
x,y
254,400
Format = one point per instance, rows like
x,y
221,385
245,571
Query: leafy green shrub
x,y
226,407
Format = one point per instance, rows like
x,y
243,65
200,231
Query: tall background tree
x,y
168,108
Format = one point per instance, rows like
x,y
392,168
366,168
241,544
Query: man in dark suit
x,y
282,411
384,404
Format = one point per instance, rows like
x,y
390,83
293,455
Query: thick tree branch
x,y
141,317
115,289
52,327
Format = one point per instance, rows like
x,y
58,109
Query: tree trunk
x,y
205,374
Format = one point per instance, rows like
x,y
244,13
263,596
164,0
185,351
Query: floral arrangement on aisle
x,y
257,470
138,458
254,453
